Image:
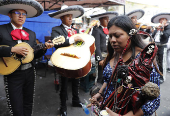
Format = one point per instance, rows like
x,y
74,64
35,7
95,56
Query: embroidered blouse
x,y
149,107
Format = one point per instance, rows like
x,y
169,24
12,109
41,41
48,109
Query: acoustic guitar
x,y
9,64
74,61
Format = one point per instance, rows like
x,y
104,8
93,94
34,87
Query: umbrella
x,y
56,4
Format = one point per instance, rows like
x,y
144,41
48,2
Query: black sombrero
x,y
75,10
155,18
109,14
138,13
32,7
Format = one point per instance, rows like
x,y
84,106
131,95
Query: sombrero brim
x,y
138,13
32,7
75,10
155,18
106,14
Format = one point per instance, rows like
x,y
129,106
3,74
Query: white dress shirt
x,y
71,40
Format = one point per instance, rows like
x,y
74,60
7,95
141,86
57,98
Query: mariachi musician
x,y
161,37
101,36
20,84
66,14
135,15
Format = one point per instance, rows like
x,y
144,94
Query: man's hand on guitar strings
x,y
78,38
19,50
49,44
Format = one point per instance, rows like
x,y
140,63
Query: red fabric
x,y
106,31
71,32
139,70
19,34
82,31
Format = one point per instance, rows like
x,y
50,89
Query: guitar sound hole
x,y
18,57
78,43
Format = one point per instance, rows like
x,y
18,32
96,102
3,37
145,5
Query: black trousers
x,y
63,91
19,88
160,56
100,74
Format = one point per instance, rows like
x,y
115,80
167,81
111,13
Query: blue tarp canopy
x,y
41,25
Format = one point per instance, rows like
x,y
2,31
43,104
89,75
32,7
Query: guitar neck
x,y
87,30
39,46
92,25
56,40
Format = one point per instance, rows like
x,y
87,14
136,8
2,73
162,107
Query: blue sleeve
x,y
107,73
151,106
105,78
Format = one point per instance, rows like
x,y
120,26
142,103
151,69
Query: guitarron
x,y
74,61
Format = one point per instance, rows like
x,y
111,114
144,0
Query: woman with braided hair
x,y
123,74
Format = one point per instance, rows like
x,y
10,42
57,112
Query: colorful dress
x,y
151,106
107,73
148,108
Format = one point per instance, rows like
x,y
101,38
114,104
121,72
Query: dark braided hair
x,y
126,24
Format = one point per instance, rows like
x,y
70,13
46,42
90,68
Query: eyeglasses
x,y
19,14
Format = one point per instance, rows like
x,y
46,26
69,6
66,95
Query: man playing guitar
x,y
20,84
66,14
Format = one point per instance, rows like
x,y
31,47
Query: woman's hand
x,y
130,113
111,113
93,100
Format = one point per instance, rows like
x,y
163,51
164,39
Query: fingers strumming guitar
x,y
20,50
78,38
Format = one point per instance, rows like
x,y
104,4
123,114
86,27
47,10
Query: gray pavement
x,y
164,109
47,100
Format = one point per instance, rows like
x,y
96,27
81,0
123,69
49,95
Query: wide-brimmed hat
x,y
75,10
155,18
138,13
109,14
32,7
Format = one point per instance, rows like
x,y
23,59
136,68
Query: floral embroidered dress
x,y
107,73
148,108
151,106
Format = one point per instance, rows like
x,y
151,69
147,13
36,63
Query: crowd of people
x,y
128,59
